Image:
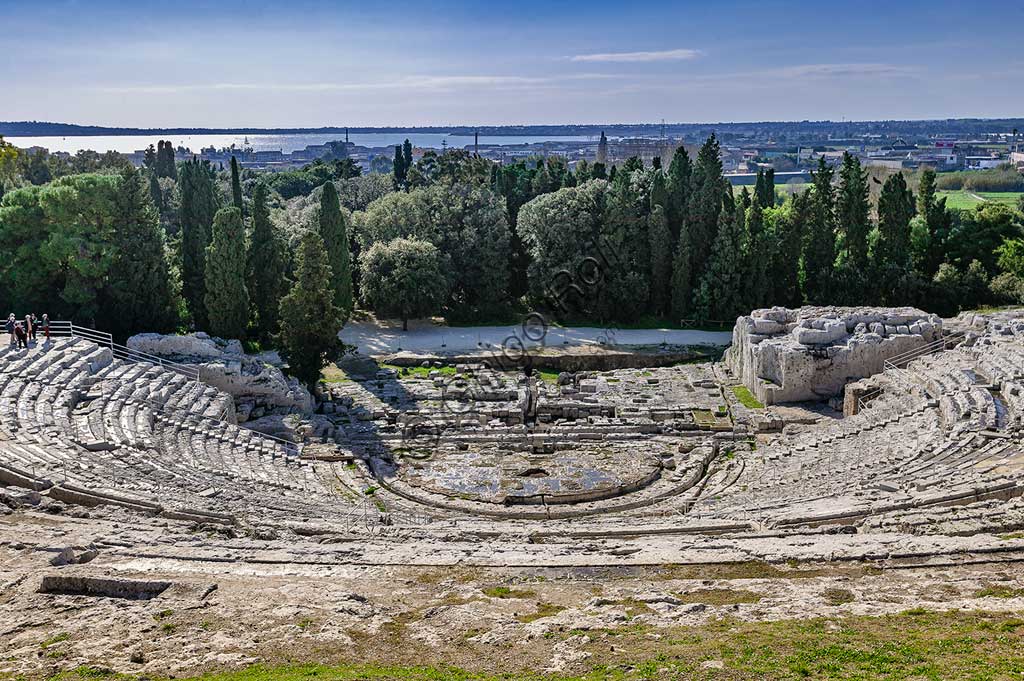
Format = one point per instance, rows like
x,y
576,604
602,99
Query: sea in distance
x,y
126,144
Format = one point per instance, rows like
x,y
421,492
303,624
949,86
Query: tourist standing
x,y
10,328
46,327
21,337
29,329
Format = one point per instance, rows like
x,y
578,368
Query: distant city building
x,y
602,150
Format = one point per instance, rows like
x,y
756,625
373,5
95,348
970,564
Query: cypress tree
x,y
819,248
852,207
399,169
660,240
895,210
198,205
721,294
227,299
679,172
141,288
757,256
334,232
155,194
407,154
938,222
759,187
236,188
767,199
705,205
165,166
267,265
682,284
310,320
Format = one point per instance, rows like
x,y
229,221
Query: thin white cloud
x,y
871,70
638,57
406,82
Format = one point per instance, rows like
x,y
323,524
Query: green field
x,y
963,199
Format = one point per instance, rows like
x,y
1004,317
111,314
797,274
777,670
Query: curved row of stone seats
x,y
778,475
963,393
125,411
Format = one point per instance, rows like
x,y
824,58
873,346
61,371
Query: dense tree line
x,y
183,244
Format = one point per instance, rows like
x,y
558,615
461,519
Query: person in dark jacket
x,y
21,336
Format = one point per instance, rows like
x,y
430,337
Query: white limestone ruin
x,y
258,387
811,353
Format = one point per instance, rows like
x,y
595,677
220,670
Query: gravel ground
x,y
375,338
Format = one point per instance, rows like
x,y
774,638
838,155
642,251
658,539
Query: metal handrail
x,y
910,355
126,353
60,328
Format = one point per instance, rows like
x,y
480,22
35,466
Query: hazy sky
x,y
391,62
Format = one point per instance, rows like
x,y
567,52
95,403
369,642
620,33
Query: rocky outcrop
x,y
810,353
257,387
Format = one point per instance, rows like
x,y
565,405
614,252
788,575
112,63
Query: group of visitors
x,y
22,333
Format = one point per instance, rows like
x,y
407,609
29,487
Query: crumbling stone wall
x,y
810,353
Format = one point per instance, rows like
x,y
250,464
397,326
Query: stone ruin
x,y
256,382
934,447
811,353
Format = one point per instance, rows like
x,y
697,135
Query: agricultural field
x,y
962,199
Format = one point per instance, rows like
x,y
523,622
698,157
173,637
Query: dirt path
x,y
379,338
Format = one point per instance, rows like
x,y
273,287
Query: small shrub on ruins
x,y
838,596
54,640
506,592
999,591
543,610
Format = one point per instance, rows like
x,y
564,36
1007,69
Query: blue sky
x,y
306,63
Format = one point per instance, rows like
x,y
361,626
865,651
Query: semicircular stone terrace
x,y
931,440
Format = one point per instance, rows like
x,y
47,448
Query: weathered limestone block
x,y
822,348
224,365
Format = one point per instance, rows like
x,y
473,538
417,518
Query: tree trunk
x,y
405,323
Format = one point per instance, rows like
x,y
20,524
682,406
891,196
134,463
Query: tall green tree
x,y
722,291
165,165
334,232
937,222
227,298
682,276
141,288
819,248
895,210
236,188
757,257
226,294
660,247
705,205
310,321
852,212
404,277
198,204
267,266
680,171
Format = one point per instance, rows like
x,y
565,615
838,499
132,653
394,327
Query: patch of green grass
x,y
333,374
915,644
418,372
839,596
506,592
543,610
746,397
548,376
999,591
54,640
719,596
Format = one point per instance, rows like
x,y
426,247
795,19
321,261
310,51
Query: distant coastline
x,y
961,125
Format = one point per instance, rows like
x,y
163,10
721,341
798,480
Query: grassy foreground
x,y
915,644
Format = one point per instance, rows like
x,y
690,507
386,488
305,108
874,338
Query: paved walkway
x,y
375,339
